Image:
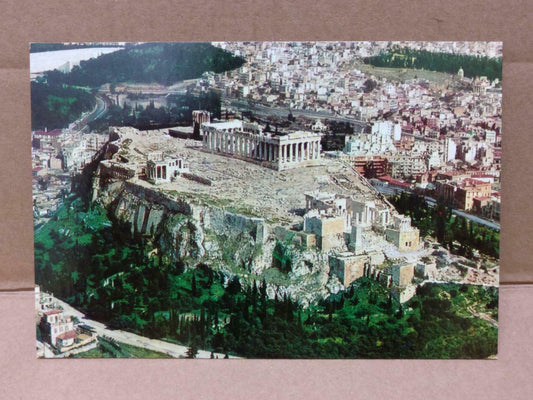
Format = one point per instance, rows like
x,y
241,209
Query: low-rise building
x,y
161,169
328,228
488,207
470,189
402,234
57,328
348,266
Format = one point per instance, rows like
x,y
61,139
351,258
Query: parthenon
x,y
248,141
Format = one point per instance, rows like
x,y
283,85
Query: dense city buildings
x,y
295,176
417,125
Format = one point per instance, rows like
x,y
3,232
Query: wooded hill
x,y
164,63
56,100
442,62
56,106
94,262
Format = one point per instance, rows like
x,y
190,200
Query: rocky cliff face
x,y
190,230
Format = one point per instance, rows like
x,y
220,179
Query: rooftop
x,y
52,312
67,335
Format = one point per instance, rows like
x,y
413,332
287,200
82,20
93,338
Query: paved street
x,y
491,224
170,349
98,111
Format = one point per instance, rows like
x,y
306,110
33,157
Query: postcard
x,y
272,200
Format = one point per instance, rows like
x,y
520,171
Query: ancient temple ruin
x,y
248,141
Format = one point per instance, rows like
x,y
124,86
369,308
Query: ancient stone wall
x,y
402,274
404,240
348,268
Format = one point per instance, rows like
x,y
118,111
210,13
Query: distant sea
x,y
50,60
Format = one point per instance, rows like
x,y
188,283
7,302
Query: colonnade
x,y
371,215
281,150
157,172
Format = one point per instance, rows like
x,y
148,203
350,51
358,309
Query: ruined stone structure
x,y
248,141
115,170
160,169
325,202
404,294
426,270
348,267
402,274
200,116
303,239
356,239
330,215
367,213
402,234
328,228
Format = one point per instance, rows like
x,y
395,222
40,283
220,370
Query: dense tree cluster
x,y
334,138
447,228
442,62
57,99
98,264
178,111
56,106
164,63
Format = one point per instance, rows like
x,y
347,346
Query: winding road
x,y
99,110
170,349
491,224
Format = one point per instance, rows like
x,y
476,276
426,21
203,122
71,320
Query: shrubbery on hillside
x,y
164,63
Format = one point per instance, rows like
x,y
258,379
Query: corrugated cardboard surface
x,y
27,21
25,377
24,22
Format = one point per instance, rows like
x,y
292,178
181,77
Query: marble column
x,y
290,152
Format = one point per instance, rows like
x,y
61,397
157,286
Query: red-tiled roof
x,y
392,181
67,335
471,182
52,312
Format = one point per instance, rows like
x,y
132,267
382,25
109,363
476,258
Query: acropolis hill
x,y
248,187
308,229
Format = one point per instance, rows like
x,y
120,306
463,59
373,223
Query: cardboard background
x,y
24,377
25,21
120,20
